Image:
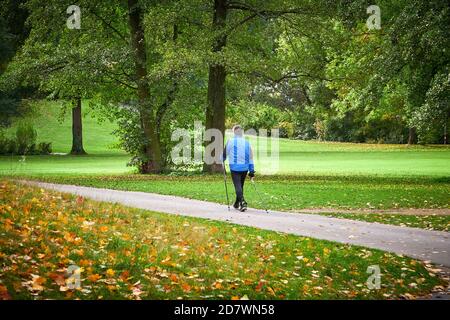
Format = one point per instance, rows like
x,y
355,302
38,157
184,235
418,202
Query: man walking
x,y
240,157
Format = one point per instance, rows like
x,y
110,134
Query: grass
x,y
296,157
311,175
325,158
46,117
284,192
64,165
99,142
135,254
429,222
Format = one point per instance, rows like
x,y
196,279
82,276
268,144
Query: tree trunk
x,y
412,137
152,148
216,104
77,129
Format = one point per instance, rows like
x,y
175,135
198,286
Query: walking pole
x,y
225,182
260,198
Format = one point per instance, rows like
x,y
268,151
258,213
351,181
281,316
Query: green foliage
x,y
24,142
131,135
316,75
26,137
9,107
256,116
401,69
44,148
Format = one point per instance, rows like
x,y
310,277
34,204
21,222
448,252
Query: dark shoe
x,y
236,204
243,206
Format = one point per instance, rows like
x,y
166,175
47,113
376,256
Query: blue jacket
x,y
238,152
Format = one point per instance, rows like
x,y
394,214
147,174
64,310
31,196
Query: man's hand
x,y
251,174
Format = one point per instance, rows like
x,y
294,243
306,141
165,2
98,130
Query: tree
x,y
407,59
13,32
231,19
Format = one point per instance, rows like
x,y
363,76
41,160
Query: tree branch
x,y
109,25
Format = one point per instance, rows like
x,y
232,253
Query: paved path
x,y
421,244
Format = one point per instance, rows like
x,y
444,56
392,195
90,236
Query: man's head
x,y
237,130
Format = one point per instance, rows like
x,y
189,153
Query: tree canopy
x,y
310,68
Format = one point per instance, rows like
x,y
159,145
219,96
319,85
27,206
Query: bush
x,y
24,143
26,137
253,115
44,148
286,129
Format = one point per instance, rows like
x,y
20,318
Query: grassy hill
x,y
51,126
102,158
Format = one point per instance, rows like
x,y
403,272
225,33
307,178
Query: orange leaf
x,y
85,262
58,278
259,286
4,295
125,275
186,287
94,277
80,200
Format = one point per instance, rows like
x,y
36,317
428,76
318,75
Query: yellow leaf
x,y
110,272
271,291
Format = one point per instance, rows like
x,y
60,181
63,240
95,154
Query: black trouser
x,y
238,178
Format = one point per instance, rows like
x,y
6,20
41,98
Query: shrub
x,y
11,146
254,115
26,137
286,129
44,148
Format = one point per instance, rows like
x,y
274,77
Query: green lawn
x,y
135,254
285,193
429,222
103,156
296,157
52,127
328,158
